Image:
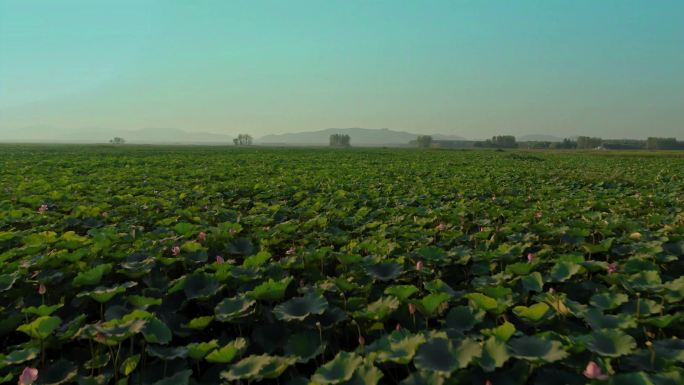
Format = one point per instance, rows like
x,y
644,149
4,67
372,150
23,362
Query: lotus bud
x,y
219,259
530,257
202,236
419,265
411,308
175,250
28,376
362,341
42,289
594,372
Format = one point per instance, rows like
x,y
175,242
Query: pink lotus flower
x,y
362,341
411,308
612,267
441,226
28,376
175,250
398,327
42,209
219,259
290,251
594,372
530,257
202,236
419,265
42,289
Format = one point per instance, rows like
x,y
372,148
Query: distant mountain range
x,y
358,136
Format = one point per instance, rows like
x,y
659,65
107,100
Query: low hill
x,y
359,137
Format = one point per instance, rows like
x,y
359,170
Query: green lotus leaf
x,y
299,308
502,332
168,353
437,355
520,268
670,349
104,294
198,350
228,352
423,378
143,302
432,253
534,313
463,318
305,345
429,304
562,271
637,378
92,276
397,347
270,290
598,320
466,350
180,378
610,343
439,286
200,286
484,302
403,292
156,332
380,309
232,308
184,228
608,301
129,364
339,369
533,348
101,379
7,281
257,368
199,323
494,354
19,356
645,307
42,310
259,259
661,321
99,361
384,271
59,372
116,332
41,327
533,282
644,281
366,374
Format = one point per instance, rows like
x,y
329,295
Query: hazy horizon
x,y
468,68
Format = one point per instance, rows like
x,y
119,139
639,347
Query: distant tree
x,y
243,140
499,141
588,142
566,144
340,140
117,140
424,141
663,144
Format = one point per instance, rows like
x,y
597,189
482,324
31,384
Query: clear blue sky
x,y
611,68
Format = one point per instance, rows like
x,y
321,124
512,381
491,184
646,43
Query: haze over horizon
x,y
468,68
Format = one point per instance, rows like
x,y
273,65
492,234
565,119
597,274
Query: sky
x,y
474,68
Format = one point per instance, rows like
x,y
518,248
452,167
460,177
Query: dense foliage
x,y
179,265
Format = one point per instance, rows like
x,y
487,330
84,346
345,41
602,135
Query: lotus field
x,y
215,265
